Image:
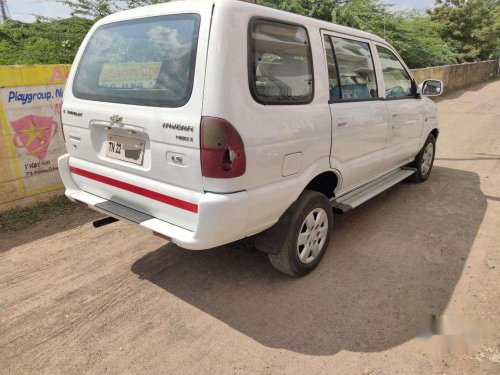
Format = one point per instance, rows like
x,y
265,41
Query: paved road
x,y
118,300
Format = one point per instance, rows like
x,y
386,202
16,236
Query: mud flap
x,y
271,241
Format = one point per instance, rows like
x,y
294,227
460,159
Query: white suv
x,y
210,121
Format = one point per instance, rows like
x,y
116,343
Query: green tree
x,y
140,3
101,8
456,30
320,9
471,27
44,41
415,36
417,40
91,8
366,15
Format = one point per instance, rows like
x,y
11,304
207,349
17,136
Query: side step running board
x,y
119,212
359,196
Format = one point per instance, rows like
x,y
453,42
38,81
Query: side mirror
x,y
431,87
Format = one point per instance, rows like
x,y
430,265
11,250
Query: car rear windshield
x,y
148,62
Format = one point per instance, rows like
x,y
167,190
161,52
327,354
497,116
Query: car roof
x,y
241,6
265,11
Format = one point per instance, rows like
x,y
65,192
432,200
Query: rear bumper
x,y
219,218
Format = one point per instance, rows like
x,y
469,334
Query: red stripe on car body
x,y
179,203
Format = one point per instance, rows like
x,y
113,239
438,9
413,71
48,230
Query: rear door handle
x,y
341,124
394,115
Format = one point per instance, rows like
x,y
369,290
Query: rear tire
x,y
308,235
424,161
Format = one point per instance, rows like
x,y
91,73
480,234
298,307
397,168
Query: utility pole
x,y
3,9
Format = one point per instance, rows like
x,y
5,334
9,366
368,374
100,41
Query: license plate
x,y
126,149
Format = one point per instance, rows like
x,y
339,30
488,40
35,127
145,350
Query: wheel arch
x,y
327,183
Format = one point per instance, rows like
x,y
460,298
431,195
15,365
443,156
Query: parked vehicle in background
x,y
210,121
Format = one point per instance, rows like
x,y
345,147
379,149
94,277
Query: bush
x,y
44,41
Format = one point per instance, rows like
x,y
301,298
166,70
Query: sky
x,y
24,10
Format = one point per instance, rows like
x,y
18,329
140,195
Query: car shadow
x,y
391,263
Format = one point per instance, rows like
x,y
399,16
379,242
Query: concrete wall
x,y
30,132
460,75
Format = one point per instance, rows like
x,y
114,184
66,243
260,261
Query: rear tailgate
x,y
132,109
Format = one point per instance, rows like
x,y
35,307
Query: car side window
x,y
281,69
354,66
398,83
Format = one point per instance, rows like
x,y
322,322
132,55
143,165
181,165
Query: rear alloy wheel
x,y
424,160
312,236
308,234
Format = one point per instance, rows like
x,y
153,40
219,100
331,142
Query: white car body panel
x,y
286,146
405,129
358,138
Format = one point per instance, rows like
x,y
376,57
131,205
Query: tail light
x,y
222,149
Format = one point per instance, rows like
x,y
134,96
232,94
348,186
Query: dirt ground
x,y
118,300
